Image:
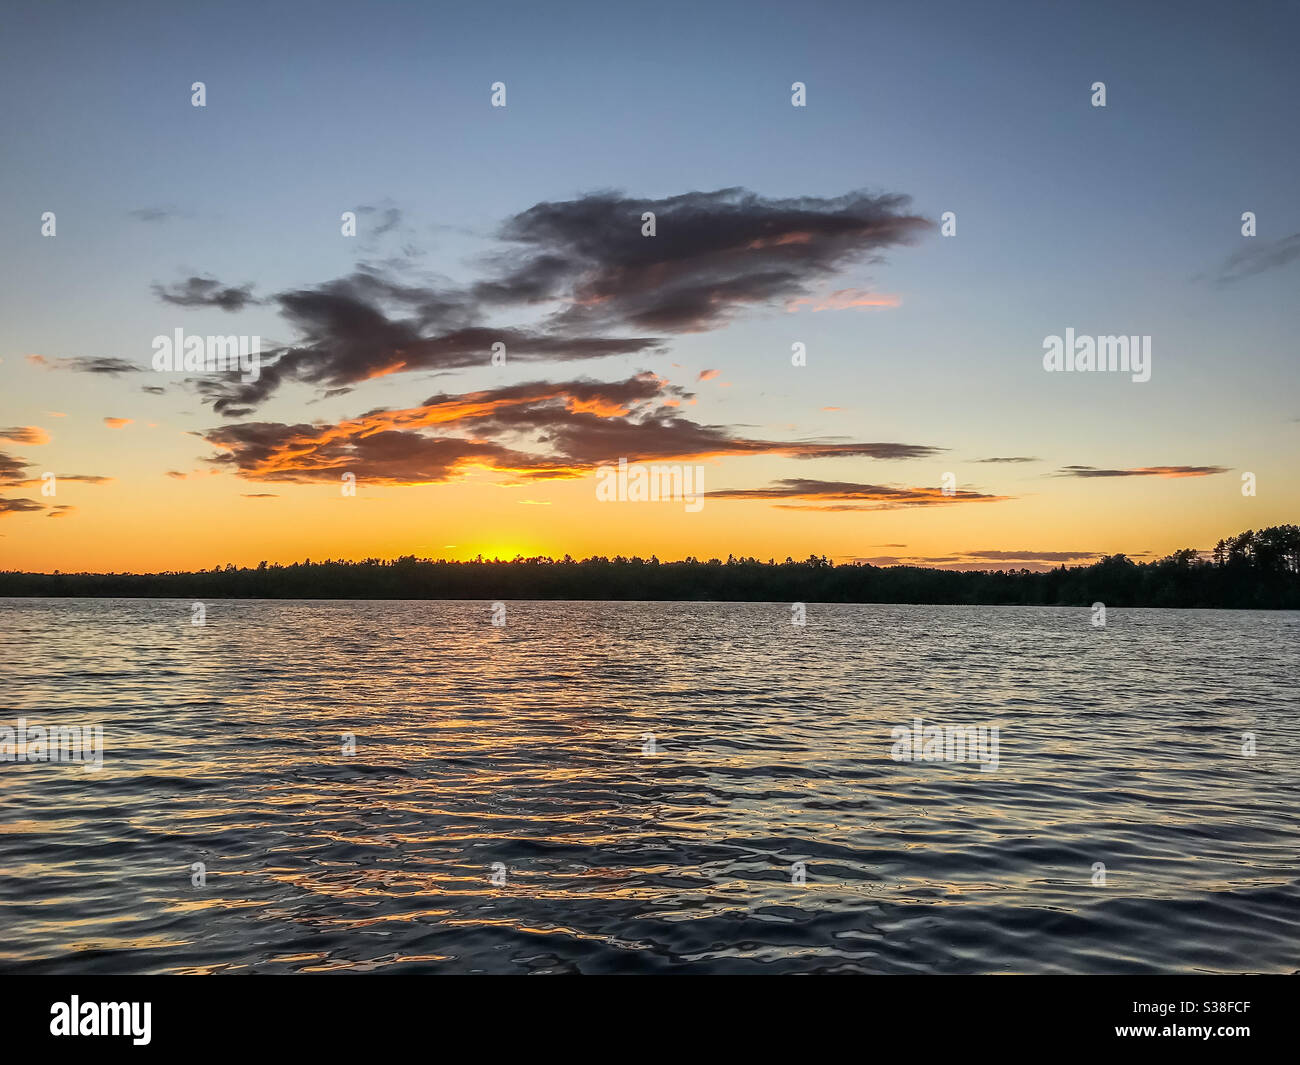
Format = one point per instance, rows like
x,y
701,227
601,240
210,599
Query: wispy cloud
x,y
1142,471
86,364
1034,556
843,300
25,434
18,506
206,292
850,496
1259,256
1037,561
156,214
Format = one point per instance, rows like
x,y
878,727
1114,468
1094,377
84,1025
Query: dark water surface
x,y
522,745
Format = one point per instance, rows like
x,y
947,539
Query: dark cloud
x,y
19,506
206,292
1011,458
591,439
363,326
1255,258
585,267
1142,471
81,478
11,470
712,253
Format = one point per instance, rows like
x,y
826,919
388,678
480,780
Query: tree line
x,y
1258,570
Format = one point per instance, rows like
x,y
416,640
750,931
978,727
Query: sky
x,y
921,427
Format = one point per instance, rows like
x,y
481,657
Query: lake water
x,y
641,781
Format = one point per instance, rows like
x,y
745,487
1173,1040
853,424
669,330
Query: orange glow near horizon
x,y
199,522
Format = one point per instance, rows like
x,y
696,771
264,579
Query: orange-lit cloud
x,y
18,506
843,300
25,434
849,496
530,431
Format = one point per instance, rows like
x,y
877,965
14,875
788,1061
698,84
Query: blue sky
x,y
1114,220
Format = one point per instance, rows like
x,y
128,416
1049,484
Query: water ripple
x,y
650,778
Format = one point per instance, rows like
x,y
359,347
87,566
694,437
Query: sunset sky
x,y
775,225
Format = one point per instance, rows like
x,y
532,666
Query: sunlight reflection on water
x,y
523,745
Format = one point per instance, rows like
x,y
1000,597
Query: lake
x,y
325,786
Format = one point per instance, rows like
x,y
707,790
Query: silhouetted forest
x,y
1254,570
